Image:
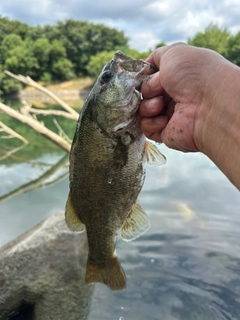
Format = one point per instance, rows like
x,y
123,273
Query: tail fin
x,y
111,275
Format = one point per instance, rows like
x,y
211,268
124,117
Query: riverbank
x,y
69,91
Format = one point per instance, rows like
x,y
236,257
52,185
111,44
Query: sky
x,y
144,22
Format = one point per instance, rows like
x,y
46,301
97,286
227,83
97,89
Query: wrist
x,y
217,128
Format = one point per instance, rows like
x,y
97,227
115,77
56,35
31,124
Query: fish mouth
x,y
138,67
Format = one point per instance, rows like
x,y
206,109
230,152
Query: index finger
x,y
152,86
155,57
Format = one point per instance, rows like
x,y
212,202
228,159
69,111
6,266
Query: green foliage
x,y
46,77
41,51
9,43
8,27
220,40
58,52
160,44
98,61
213,37
21,59
8,84
83,39
78,48
62,69
233,52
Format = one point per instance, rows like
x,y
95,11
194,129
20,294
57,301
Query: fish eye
x,y
106,76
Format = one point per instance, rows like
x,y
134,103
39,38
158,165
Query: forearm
x,y
218,125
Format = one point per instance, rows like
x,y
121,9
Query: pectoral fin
x,y
71,217
152,155
136,223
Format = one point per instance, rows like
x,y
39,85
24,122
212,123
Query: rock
x,y
42,274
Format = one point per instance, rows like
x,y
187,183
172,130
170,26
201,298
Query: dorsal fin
x,y
137,222
152,155
71,217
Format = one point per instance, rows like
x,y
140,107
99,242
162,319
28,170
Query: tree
x,y
9,43
8,84
160,44
97,62
83,39
21,59
213,37
62,69
8,27
233,52
41,50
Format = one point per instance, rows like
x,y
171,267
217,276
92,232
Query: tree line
x,y
76,48
52,52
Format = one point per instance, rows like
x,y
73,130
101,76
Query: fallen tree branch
x,y
48,177
53,113
12,133
27,80
61,131
11,152
37,126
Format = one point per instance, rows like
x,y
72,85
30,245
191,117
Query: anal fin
x,y
71,217
137,223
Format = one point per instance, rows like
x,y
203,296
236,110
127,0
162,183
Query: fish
x,y
107,168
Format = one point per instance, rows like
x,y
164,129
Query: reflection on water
x,y
186,266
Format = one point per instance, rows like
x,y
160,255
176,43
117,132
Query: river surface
x,y
187,266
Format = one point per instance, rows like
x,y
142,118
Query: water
x,y
186,266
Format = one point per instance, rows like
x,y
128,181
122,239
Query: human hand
x,y
173,98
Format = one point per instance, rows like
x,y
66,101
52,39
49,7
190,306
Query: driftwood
x,y
51,175
11,133
27,80
37,126
27,115
53,113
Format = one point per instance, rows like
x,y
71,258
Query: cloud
x,y
140,40
145,22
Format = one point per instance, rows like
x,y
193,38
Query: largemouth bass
x,y
106,167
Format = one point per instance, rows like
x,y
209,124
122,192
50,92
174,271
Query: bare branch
x,y
53,113
11,152
37,126
50,176
12,133
27,80
61,131
25,108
